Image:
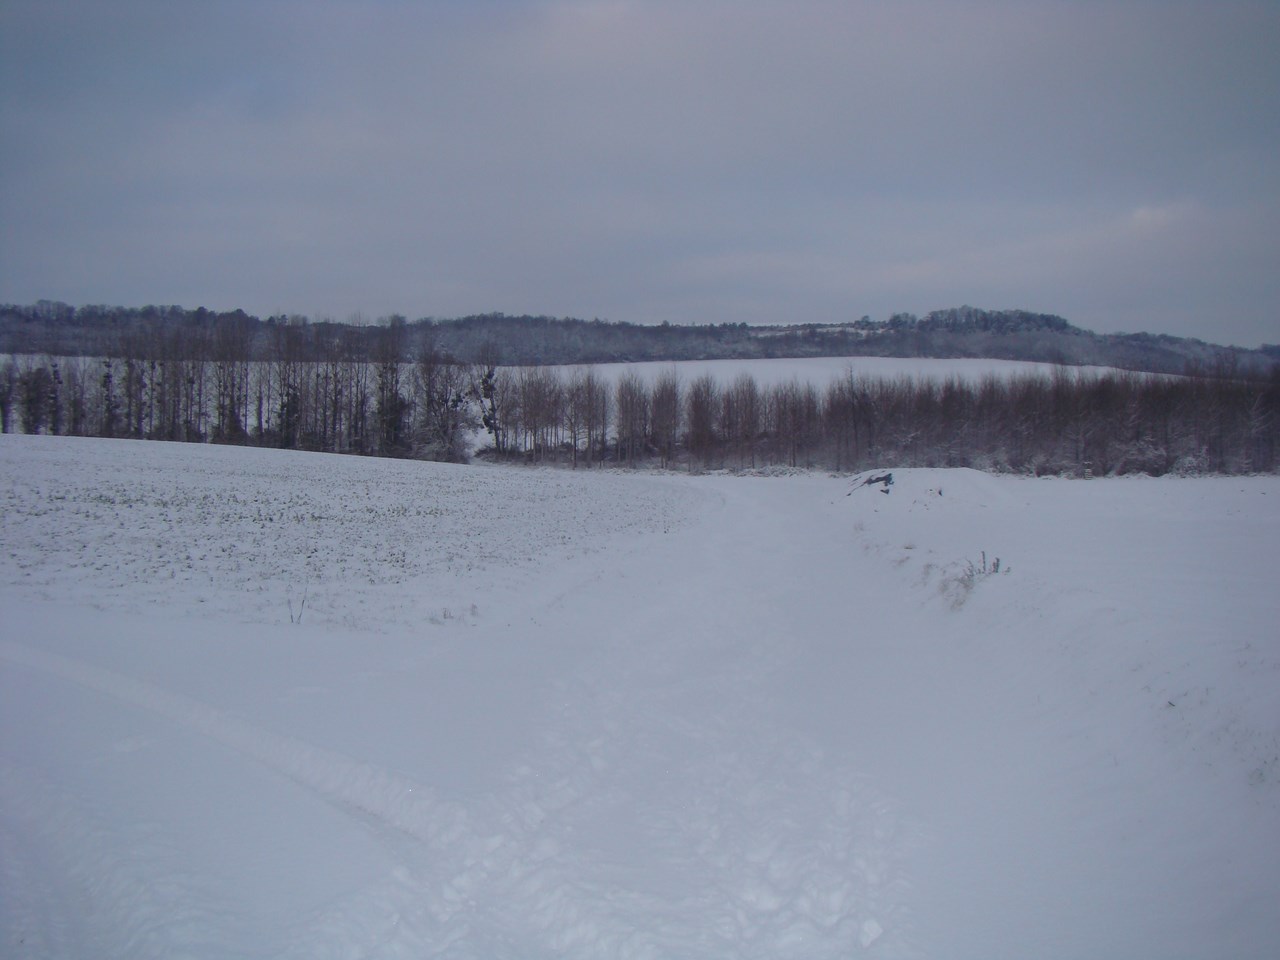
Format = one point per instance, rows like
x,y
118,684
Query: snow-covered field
x,y
530,714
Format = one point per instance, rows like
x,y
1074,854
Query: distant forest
x,y
57,329
428,389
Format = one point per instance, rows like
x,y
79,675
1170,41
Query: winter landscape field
x,y
262,703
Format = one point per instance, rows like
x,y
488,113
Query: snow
x,y
532,713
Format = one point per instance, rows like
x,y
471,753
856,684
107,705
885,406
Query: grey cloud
x,y
648,161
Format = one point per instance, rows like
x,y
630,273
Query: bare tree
x,y
285,386
444,406
540,403
391,409
1261,431
586,402
355,394
75,397
665,417
631,423
703,403
840,413
493,390
598,417
36,390
741,418
230,349
8,393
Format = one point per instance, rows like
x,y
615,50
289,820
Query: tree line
x,y
388,395
1064,423
59,329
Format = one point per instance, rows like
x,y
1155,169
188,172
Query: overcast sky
x,y
1114,162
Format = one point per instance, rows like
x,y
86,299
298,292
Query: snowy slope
x,y
550,714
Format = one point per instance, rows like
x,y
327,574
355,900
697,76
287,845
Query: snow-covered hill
x,y
534,714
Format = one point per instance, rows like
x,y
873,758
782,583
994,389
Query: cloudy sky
x,y
1113,161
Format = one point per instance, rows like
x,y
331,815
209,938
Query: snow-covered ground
x,y
530,714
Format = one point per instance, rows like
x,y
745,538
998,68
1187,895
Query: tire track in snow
x,y
408,914
69,892
437,904
32,924
353,787
756,886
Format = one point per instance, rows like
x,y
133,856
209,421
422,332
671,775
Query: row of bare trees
x,y
1064,423
299,391
373,402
